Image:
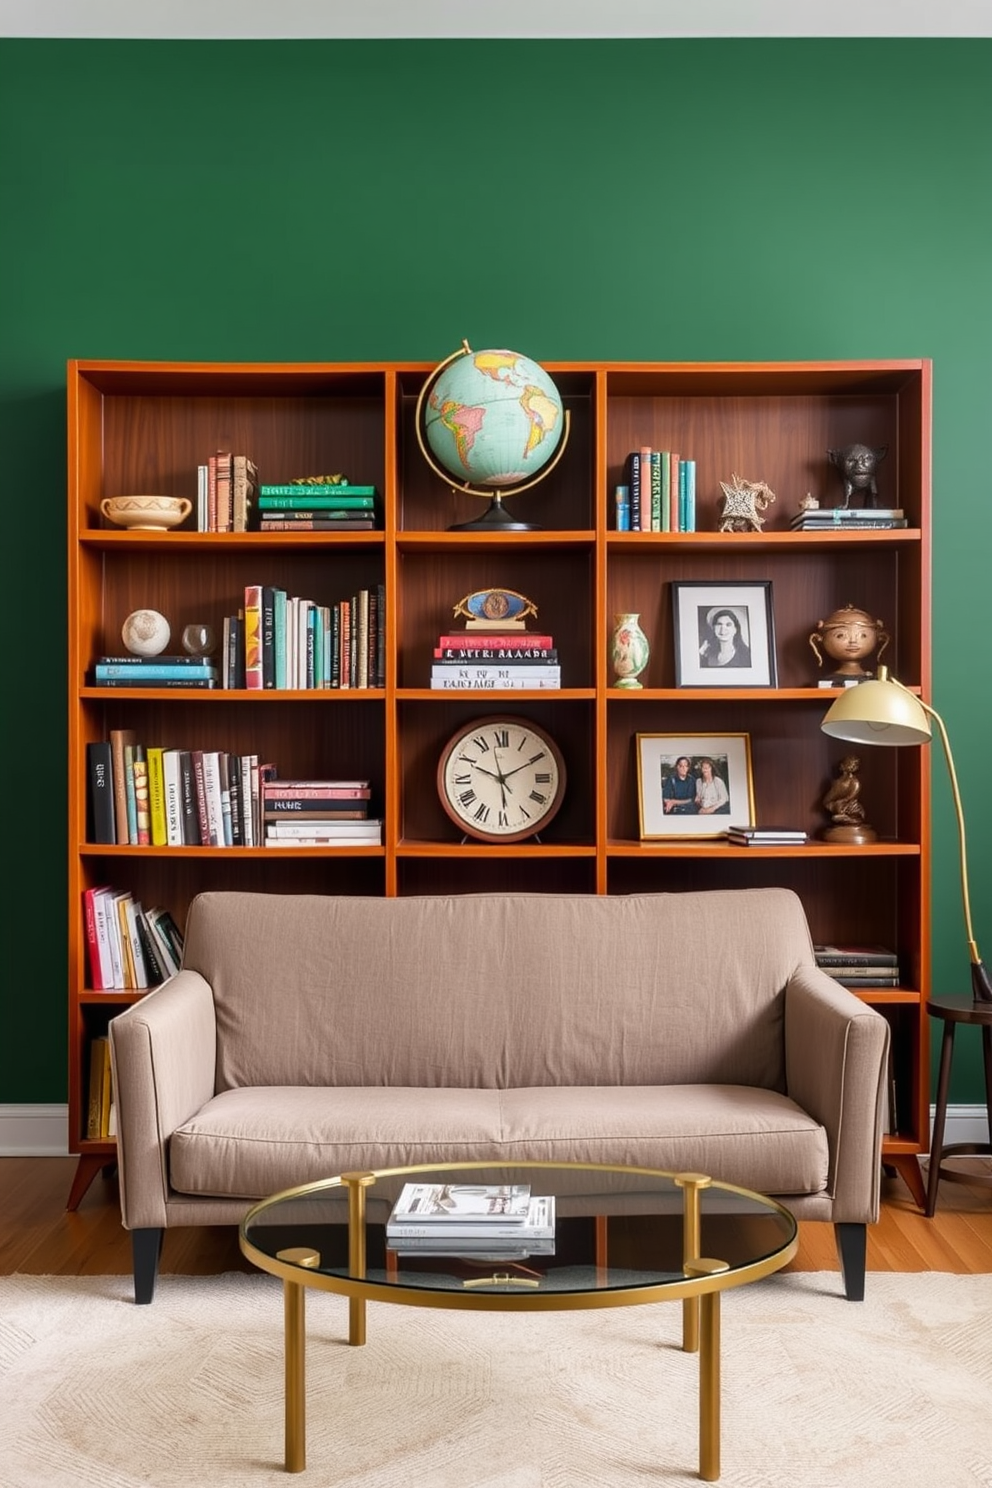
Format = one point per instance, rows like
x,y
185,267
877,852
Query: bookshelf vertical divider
x,y
144,427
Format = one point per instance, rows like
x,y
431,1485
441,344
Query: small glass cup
x,y
198,639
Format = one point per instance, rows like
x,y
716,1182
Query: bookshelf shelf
x,y
147,425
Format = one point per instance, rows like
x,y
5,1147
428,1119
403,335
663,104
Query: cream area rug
x,y
818,1392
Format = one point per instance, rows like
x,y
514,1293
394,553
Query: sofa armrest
x,y
164,1053
836,1052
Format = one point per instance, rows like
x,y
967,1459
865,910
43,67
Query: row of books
x,y
142,795
847,518
226,490
859,965
128,948
319,813
101,1109
658,493
499,1220
495,661
282,641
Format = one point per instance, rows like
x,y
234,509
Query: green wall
x,y
669,200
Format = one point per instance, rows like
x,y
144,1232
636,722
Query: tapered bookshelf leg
x,y
87,1168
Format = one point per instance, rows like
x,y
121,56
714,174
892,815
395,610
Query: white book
x,y
549,671
247,813
173,797
499,1251
212,791
353,831
493,684
114,896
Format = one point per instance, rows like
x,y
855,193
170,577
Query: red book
x,y
97,979
475,638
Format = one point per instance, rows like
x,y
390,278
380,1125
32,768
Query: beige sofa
x,y
307,1036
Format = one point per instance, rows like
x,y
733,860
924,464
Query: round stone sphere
x,y
145,633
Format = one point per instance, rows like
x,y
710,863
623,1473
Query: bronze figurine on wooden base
x,y
846,812
848,636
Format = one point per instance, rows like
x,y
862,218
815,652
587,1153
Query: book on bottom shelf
x,y
854,955
98,1091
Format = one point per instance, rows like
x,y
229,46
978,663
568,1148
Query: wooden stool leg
x,y
940,1117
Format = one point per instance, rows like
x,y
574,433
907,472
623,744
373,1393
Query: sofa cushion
x,y
499,991
250,1143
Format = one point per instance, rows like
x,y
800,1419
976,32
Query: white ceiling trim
x,y
535,19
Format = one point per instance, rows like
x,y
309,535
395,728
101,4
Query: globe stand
x,y
495,518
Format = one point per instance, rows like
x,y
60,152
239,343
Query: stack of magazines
x,y
495,1220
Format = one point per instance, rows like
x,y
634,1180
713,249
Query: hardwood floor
x,y
39,1237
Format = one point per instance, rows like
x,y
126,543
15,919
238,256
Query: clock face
x,y
501,779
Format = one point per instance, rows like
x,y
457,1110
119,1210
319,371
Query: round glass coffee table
x,y
622,1237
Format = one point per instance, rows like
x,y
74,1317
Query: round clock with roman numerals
x,y
501,779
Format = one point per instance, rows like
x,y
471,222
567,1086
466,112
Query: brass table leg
x,y
294,1309
709,1371
357,1184
691,1184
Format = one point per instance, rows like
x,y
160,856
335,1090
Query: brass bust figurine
x,y
846,812
848,636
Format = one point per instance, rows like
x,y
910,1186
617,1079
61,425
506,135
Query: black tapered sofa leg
x,y
146,1247
852,1249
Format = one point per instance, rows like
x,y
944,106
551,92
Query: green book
x,y
310,502
341,490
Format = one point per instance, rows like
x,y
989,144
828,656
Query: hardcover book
x,y
101,826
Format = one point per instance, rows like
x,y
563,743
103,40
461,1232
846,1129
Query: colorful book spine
x,y
142,807
254,677
634,482
654,465
156,795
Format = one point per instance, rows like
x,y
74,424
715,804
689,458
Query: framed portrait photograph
x,y
724,633
693,785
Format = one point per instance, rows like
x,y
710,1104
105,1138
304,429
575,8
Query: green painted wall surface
x,y
696,200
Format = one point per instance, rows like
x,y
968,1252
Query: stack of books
x,y
658,493
847,518
859,965
155,671
318,813
766,836
498,1221
128,948
502,657
303,506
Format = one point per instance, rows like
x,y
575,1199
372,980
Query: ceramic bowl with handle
x,y
146,513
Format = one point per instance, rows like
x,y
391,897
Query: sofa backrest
x,y
499,990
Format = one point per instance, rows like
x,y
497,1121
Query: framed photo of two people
x,y
724,633
693,785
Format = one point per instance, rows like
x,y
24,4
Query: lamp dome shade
x,y
877,713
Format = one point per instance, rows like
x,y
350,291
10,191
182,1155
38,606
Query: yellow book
x,y
106,1090
156,795
94,1107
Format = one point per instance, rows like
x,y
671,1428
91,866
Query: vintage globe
x,y
492,419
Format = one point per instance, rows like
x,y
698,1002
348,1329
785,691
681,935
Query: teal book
x,y
344,489
280,636
307,501
145,673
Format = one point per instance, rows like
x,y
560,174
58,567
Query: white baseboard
x,y
34,1131
41,1131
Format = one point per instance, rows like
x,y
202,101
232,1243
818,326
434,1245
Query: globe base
x,y
495,518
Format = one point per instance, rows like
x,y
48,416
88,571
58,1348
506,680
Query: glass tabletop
x,y
612,1229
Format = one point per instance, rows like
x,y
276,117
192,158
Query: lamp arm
x,y
981,984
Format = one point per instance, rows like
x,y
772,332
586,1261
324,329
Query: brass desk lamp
x,y
886,712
